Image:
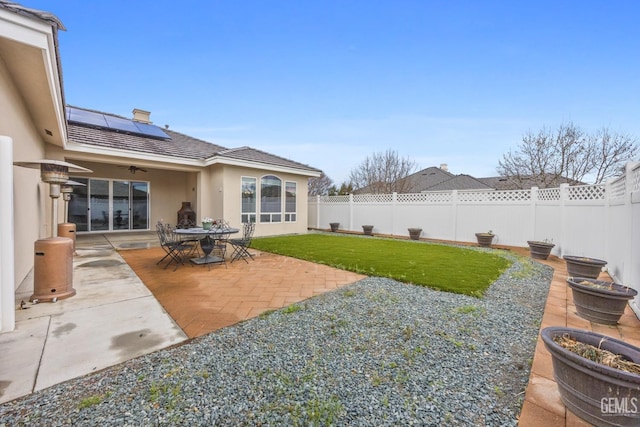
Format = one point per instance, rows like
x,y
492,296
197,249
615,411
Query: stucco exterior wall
x,y
232,200
30,195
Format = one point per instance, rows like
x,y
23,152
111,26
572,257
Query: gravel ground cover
x,y
377,352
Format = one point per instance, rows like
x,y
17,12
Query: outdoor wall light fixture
x,y
53,263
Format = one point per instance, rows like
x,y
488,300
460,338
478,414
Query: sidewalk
x,y
542,405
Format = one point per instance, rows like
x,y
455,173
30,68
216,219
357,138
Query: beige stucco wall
x,y
30,195
231,200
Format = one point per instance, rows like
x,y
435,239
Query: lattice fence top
x,y
334,199
494,196
586,192
432,197
549,194
373,198
617,190
635,179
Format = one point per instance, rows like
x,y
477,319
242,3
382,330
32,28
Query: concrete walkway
x,y
112,318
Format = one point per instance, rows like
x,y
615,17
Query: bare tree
x,y
612,151
382,173
548,158
319,186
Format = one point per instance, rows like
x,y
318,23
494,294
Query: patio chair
x,y
241,246
175,248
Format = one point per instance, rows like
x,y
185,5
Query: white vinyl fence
x,y
598,221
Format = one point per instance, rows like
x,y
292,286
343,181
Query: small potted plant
x,y
207,222
580,266
485,239
600,301
596,375
414,233
540,249
368,230
334,226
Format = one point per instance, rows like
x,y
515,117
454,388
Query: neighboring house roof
x,y
177,145
459,182
525,182
426,178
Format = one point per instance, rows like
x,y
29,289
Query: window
x,y
248,199
290,202
270,199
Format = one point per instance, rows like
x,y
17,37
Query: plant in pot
x,y
540,249
600,301
598,376
579,266
368,230
485,239
334,226
207,222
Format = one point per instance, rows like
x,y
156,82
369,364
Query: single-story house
x,y
141,173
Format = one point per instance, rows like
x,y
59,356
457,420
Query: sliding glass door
x,y
109,205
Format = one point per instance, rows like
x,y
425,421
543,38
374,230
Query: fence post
x,y
454,213
533,212
394,202
564,196
318,211
351,212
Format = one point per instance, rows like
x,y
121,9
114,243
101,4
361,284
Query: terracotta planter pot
x,y
540,250
584,266
334,226
484,239
368,230
596,393
599,301
414,233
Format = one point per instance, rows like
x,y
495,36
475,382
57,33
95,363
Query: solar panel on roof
x,y
120,124
124,125
86,117
147,129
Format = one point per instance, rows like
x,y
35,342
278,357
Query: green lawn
x,y
443,267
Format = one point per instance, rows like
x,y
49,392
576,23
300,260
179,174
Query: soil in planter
x,y
597,355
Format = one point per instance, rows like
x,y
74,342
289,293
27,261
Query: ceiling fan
x,y
134,169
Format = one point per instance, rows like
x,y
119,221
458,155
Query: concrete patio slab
x,y
88,340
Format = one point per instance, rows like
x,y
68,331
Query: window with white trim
x,y
290,209
248,213
270,199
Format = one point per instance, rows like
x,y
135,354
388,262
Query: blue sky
x,y
328,83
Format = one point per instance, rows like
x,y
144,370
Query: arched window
x,y
270,199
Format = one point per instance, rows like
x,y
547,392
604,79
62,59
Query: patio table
x,y
201,233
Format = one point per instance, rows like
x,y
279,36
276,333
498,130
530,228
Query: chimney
x,y
444,167
141,116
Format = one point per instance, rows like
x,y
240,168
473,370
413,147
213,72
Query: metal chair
x,y
175,249
241,246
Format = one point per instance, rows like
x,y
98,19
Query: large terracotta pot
x,y
540,250
599,301
414,233
580,266
368,230
599,394
484,239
